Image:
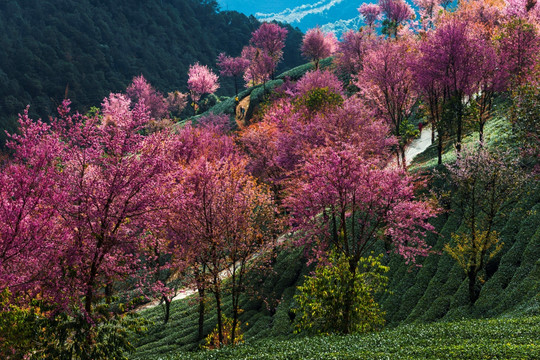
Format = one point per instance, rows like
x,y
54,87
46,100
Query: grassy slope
x,y
435,291
473,339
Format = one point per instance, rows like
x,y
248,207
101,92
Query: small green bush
x,y
334,284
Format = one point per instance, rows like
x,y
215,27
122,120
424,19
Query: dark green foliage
x,y
66,337
86,49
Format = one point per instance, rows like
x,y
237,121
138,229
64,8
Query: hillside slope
x,y
435,291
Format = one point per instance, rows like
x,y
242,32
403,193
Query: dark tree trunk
x,y
201,292
459,126
167,303
235,294
439,148
217,295
348,305
473,292
481,133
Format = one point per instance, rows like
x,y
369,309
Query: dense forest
x,y
83,50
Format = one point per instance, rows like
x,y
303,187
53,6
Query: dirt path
x,y
241,111
418,145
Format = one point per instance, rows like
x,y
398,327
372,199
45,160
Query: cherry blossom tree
x,y
261,66
30,239
429,11
518,44
222,217
84,191
319,79
343,203
317,45
352,49
431,90
233,67
387,84
396,12
109,174
141,90
201,80
270,38
370,13
454,55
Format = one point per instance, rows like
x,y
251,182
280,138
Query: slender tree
x,y
233,67
317,45
201,80
387,84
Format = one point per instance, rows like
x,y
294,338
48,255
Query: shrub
x,y
212,340
336,284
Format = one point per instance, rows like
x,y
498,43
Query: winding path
x,y
418,145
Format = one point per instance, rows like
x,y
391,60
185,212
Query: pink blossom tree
x,y
431,90
518,44
454,55
387,84
233,67
319,79
201,80
344,203
270,38
396,12
30,239
141,90
84,193
109,176
222,217
352,49
429,11
191,146
261,66
370,13
317,45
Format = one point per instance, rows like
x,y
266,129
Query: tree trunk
x,y
473,293
481,132
439,149
217,295
235,294
459,126
167,303
348,305
89,298
200,289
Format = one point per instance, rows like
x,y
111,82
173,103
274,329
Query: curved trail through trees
x,y
418,145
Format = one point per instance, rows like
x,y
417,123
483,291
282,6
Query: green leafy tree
x,y
484,183
335,284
